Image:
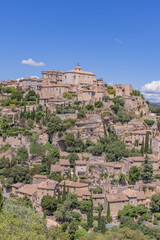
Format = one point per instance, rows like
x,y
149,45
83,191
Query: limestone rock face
x,y
90,128
43,138
124,131
136,105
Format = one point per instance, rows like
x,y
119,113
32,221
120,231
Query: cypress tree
x,y
142,148
109,218
103,225
44,214
59,196
89,216
91,202
146,143
90,213
1,199
147,170
99,220
105,133
64,192
33,114
67,190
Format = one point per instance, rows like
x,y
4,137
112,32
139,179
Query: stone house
x,y
73,186
54,90
86,96
115,168
15,187
79,77
52,77
30,191
55,168
138,137
47,188
64,165
80,167
123,90
37,179
137,161
135,197
99,199
30,83
116,201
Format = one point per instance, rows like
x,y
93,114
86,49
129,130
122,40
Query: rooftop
x,y
55,168
40,176
64,162
117,197
28,189
49,184
73,184
80,162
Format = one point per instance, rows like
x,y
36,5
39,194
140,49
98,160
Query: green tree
x,y
4,123
99,220
98,104
109,218
89,107
90,213
146,147
103,225
72,158
22,155
72,230
55,124
134,174
25,201
142,148
20,174
64,192
97,149
147,170
49,203
1,199
155,203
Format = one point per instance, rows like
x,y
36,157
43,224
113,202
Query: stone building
x,y
73,186
80,167
15,187
47,188
116,201
29,190
30,84
79,77
52,77
55,90
37,179
123,90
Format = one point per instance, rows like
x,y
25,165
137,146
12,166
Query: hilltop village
x,y
79,149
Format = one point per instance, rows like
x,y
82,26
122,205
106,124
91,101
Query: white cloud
x,y
19,78
151,91
34,77
29,77
31,62
118,40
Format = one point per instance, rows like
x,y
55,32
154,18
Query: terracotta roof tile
x,y
73,184
28,189
49,184
117,197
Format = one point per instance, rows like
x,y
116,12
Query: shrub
x,y
149,122
98,104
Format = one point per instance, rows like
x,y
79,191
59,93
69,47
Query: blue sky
x,y
118,40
